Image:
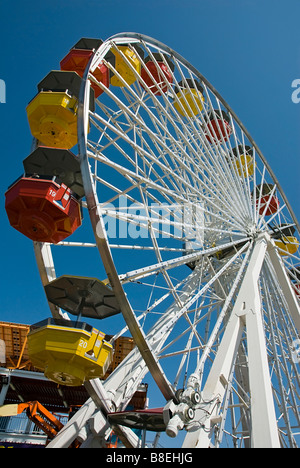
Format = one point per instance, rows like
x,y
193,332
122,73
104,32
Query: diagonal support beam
x,y
285,283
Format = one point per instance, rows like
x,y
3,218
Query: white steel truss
x,y
204,269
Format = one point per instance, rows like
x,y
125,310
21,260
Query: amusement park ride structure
x,y
207,278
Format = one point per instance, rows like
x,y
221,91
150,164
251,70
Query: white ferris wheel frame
x,y
245,313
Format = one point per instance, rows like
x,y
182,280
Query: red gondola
x,y
78,59
156,73
268,201
42,209
218,124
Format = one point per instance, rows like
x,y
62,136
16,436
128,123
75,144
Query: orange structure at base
x,y
14,340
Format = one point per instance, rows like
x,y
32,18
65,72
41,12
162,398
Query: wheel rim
x,y
148,154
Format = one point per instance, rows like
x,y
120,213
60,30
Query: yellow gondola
x,y
288,245
190,97
244,161
52,113
69,355
127,66
52,119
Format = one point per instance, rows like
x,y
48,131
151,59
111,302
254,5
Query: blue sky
x,y
248,49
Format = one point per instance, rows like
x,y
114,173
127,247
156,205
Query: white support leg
x,y
46,268
246,311
264,432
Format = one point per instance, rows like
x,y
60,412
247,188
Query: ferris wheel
x,y
198,248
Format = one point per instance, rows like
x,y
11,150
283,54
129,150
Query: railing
x,y
20,424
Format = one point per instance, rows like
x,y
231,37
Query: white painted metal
x,y
246,312
198,276
4,389
286,285
264,431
